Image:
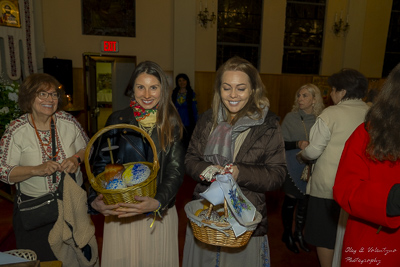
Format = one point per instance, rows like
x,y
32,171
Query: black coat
x,y
133,148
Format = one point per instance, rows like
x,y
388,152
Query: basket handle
x,y
211,208
156,164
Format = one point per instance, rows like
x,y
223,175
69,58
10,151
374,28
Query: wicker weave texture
x,y
23,253
125,195
214,237
217,233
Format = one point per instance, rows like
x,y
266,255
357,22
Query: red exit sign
x,y
109,46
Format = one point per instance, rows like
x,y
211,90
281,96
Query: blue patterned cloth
x,y
240,210
295,169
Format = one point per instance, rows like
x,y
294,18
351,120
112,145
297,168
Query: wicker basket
x,y
23,253
126,195
217,233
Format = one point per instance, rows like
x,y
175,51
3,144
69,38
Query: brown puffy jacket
x,y
261,161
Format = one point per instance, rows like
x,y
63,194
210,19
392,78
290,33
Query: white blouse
x,y
20,146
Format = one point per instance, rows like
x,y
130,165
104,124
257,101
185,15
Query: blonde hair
x,y
257,100
318,106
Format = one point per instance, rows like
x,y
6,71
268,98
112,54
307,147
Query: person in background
x,y
296,126
184,99
26,153
131,237
249,137
367,183
327,138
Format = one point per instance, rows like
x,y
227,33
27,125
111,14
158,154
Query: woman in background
x,y
296,131
327,138
184,99
131,237
367,184
249,137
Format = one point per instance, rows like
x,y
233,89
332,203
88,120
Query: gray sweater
x,y
293,128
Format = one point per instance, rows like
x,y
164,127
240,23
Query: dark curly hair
x,y
353,81
382,121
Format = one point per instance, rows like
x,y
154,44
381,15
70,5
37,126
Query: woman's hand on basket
x,y
99,205
147,204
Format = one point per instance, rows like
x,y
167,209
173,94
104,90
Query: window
x,y
303,36
392,53
239,30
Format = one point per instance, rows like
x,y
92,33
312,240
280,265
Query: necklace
x,y
42,146
304,125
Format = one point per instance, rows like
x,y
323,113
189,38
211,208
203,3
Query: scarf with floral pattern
x,y
145,117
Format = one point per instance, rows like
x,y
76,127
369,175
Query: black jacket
x,y
134,148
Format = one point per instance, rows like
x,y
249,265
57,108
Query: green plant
x,y
9,108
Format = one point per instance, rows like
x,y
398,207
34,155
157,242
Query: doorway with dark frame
x,y
105,79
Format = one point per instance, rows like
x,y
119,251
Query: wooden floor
x,y
280,255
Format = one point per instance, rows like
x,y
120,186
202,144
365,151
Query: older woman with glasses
x,y
27,156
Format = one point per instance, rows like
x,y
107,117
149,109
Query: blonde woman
x,y
249,138
296,130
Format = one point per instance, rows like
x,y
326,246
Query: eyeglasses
x,y
44,95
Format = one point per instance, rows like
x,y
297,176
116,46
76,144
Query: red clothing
x,y
362,188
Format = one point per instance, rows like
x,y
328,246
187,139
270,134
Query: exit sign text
x,y
109,46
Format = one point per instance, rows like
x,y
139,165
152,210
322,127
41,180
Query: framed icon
x,y
9,13
109,18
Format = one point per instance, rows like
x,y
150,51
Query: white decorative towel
x,y
240,210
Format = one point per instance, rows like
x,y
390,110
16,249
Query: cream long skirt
x,y
130,242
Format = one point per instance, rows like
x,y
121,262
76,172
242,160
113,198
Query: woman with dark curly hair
x,y
367,184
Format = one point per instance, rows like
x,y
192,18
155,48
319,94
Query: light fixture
x,y
205,17
340,26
